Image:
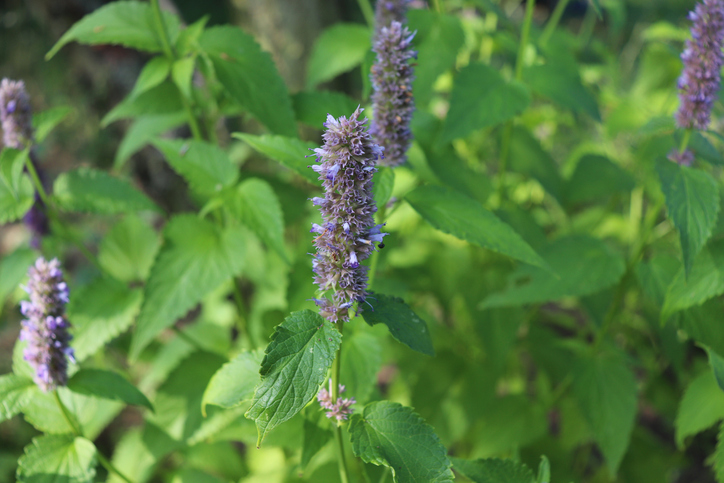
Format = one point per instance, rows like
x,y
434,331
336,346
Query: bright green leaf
x,y
297,359
128,249
58,459
153,73
393,435
493,470
13,268
165,98
544,471
15,392
107,385
181,72
700,408
234,382
45,121
12,163
313,107
402,322
340,48
290,152
14,205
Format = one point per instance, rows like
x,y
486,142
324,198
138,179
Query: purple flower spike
x,y
388,11
15,114
699,82
46,329
339,409
392,76
345,238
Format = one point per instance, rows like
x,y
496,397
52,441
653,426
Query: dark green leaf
x,y
498,329
301,351
250,76
205,166
121,23
128,249
529,158
361,361
15,392
234,382
717,366
402,322
143,130
701,407
45,121
92,191
58,459
339,49
393,435
561,84
196,258
384,181
482,98
596,267
493,470
312,108
165,98
466,219
704,150
717,459
692,202
595,178
290,152
107,385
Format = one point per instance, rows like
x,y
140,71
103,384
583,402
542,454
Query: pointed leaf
x,y
128,249
196,258
165,98
465,218
393,435
291,152
402,322
234,382
107,385
45,121
493,470
58,458
153,73
13,268
15,392
301,351
700,408
12,164
340,48
143,130
692,202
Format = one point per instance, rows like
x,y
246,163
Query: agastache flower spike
x,y
393,104
699,82
339,409
45,328
15,114
388,11
347,234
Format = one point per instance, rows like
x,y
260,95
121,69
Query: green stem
x,y
336,369
553,21
36,181
525,33
437,5
367,11
78,433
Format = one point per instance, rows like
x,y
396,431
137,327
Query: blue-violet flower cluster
x,y
393,103
703,59
15,114
339,409
347,235
45,328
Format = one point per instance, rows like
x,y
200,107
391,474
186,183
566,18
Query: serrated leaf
x,y
465,218
482,98
93,191
297,359
100,311
107,385
234,382
205,166
15,392
250,76
493,470
128,249
13,268
361,361
165,98
402,322
143,130
58,459
196,258
561,84
596,268
606,392
393,435
14,205
153,73
383,182
291,152
45,121
340,48
692,203
312,108
255,204
129,24
701,407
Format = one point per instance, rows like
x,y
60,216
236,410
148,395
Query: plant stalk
x,y
553,22
336,369
367,12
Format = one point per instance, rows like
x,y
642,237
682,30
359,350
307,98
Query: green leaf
x,y
255,204
234,382
127,251
402,322
527,156
290,152
181,72
596,267
393,435
315,438
361,361
15,392
165,98
606,392
595,178
107,385
250,76
692,202
14,204
45,121
120,23
58,459
196,258
312,108
717,366
205,166
13,268
700,408
561,84
93,191
153,73
340,48
705,280
143,130
597,8
717,459
384,181
544,471
482,98
493,470
465,218
12,164
301,351
99,312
